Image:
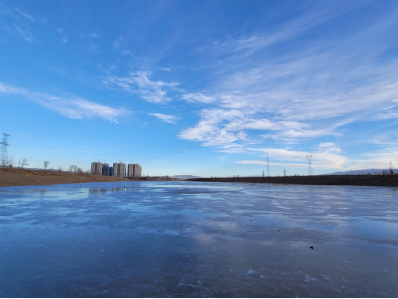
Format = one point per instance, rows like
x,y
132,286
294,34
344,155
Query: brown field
x,y
357,180
22,177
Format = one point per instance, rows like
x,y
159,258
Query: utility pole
x,y
310,170
4,152
263,173
268,172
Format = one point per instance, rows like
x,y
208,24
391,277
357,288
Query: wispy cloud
x,y
220,127
310,92
24,14
64,38
21,23
209,130
141,84
171,119
327,156
72,107
24,33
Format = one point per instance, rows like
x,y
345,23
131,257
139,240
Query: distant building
x,y
105,169
110,171
134,170
137,170
119,170
130,170
96,168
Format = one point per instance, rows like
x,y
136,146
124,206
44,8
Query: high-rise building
x,y
130,170
110,171
96,168
137,170
119,170
105,169
134,170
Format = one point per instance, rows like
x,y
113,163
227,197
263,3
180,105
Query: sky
x,y
206,88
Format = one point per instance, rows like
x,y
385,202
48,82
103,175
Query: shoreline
x,y
349,180
12,177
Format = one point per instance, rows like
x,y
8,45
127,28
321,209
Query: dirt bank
x,y
22,177
358,180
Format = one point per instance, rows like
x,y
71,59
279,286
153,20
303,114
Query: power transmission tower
x,y
310,170
4,152
268,173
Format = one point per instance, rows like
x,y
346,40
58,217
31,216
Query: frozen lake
x,y
190,239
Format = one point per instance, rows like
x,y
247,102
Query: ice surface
x,y
191,239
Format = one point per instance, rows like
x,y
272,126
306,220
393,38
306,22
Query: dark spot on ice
x,y
312,247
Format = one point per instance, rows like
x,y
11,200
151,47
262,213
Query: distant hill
x,y
185,177
362,171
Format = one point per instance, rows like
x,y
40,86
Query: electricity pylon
x,y
4,151
310,170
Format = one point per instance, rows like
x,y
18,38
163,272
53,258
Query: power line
x,y
4,150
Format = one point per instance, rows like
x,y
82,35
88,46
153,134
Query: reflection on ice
x,y
189,239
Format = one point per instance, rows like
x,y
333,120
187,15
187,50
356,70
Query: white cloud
x,y
11,90
25,15
116,43
224,126
71,107
198,97
166,118
141,84
208,130
329,147
64,38
25,34
378,159
322,158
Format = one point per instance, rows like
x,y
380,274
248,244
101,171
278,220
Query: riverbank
x,y
356,180
26,177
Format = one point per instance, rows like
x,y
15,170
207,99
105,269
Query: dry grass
x,y
23,177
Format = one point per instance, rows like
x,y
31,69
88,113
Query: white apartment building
x,y
96,168
137,170
119,170
134,170
130,170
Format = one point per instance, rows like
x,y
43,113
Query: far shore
x,y
390,180
28,177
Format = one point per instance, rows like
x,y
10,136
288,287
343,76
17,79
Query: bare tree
x,y
10,162
74,168
46,164
24,162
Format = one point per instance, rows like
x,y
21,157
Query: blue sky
x,y
206,88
